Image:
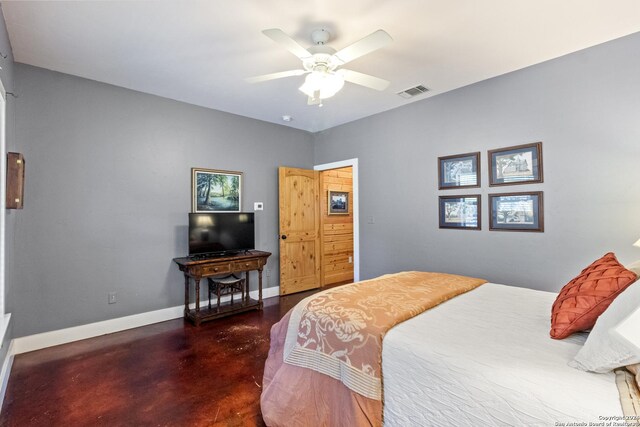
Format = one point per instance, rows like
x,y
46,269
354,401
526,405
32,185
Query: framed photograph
x,y
521,164
459,171
516,212
461,212
338,202
215,190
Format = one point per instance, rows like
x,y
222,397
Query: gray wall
x,y
108,190
584,107
6,75
108,182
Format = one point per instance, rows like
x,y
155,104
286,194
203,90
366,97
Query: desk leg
x,y
197,316
246,279
260,287
186,296
218,287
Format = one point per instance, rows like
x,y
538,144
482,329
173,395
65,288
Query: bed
x,y
482,357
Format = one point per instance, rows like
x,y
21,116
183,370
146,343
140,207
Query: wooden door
x,y
299,230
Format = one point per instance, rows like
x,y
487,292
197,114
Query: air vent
x,y
413,91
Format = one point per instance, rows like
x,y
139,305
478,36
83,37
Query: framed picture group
x,y
513,211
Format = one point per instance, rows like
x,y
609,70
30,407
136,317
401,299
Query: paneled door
x,y
299,193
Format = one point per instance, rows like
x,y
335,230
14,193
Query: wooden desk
x,y
224,265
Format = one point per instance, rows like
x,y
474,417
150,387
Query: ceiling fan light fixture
x,y
322,63
322,84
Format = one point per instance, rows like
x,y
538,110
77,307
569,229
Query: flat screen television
x,y
221,233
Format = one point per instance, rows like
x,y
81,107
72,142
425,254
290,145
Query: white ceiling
x,y
200,51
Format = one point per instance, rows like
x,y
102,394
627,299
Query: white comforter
x,y
485,359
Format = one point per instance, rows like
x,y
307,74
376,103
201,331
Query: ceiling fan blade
x,y
373,41
364,79
280,37
273,76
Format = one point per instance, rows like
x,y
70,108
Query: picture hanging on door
x,y
215,190
338,202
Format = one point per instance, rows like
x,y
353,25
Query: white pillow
x,y
603,351
635,267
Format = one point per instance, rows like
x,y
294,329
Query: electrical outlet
x,y
268,272
371,219
112,297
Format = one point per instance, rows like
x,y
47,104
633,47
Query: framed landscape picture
x,y
516,211
459,171
215,190
521,164
338,202
461,212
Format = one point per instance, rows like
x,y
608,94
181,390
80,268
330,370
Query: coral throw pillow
x,y
588,295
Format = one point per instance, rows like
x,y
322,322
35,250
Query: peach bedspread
x,y
324,364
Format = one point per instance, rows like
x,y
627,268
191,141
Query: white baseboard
x,y
5,372
76,333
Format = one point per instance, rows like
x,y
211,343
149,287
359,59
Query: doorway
x,y
339,230
305,222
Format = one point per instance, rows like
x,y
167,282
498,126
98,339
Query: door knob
x,y
284,237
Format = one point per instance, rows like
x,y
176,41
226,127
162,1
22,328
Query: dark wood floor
x,y
166,374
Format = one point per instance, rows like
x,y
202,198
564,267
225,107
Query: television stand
x,y
197,269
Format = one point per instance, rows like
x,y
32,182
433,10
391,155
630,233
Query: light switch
x,y
258,206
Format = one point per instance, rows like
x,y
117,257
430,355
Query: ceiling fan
x,y
322,63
